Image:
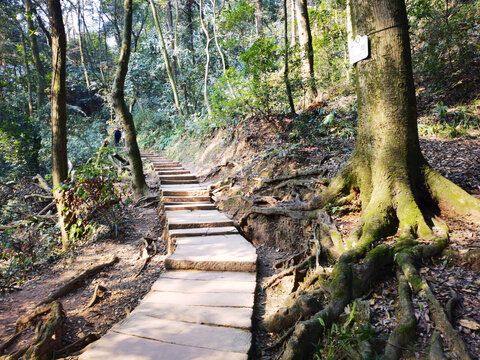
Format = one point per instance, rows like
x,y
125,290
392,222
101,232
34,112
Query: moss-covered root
x,y
404,332
348,281
48,335
304,307
436,348
406,260
449,196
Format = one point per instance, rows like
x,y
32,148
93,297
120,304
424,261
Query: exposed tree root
x,y
47,336
436,348
453,340
288,271
73,283
77,345
301,173
97,293
405,330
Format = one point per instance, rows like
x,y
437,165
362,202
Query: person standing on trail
x,y
117,135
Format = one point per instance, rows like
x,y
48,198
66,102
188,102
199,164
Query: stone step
x,y
177,177
173,172
226,316
192,192
178,182
218,300
186,199
190,207
213,253
226,230
197,219
166,166
203,286
126,347
182,333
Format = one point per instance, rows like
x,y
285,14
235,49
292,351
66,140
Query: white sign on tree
x,y
358,49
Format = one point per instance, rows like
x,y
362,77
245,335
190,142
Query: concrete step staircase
x,y
201,307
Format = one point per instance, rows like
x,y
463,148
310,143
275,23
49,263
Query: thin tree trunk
x,y
285,74
207,61
41,81
258,17
305,38
81,45
294,27
59,107
167,61
171,38
118,99
222,56
27,69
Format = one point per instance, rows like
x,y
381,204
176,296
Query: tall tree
x,y
208,39
59,107
118,100
171,78
41,81
395,182
285,72
81,44
258,17
305,40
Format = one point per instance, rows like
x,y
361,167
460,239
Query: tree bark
x,y
27,69
41,81
207,61
258,17
118,100
294,27
81,45
305,39
59,108
285,74
167,61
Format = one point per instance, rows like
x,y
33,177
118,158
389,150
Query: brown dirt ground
x,y
123,290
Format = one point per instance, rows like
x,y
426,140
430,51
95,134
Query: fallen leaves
x,y
469,324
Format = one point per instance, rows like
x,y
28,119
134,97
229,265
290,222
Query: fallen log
x,y
72,284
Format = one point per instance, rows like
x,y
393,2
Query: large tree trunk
x,y
59,107
118,99
294,27
387,165
395,182
305,39
167,61
41,82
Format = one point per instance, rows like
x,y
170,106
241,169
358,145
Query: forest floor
x,y
124,289
266,146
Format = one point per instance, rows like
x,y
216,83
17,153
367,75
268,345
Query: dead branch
x,y
97,293
45,197
144,264
47,208
73,283
77,345
114,163
119,158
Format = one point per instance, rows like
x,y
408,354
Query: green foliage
x,y
91,195
444,38
344,341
